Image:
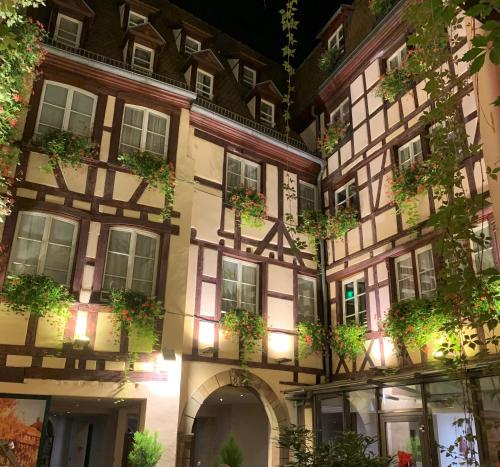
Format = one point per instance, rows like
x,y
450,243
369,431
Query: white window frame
x,y
309,185
413,157
58,25
485,225
335,39
144,129
419,272
201,91
253,72
45,241
240,263
348,203
67,107
354,280
192,39
242,174
261,114
131,255
400,54
130,13
344,118
148,49
315,297
398,260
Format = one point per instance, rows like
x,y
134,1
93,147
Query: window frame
x,y
355,279
338,108
413,159
131,256
396,54
132,12
136,46
338,35
400,259
481,227
301,316
253,71
299,198
144,130
199,71
191,38
67,108
242,174
273,116
58,25
348,203
417,252
44,242
240,263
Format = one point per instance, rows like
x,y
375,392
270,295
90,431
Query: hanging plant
x,y
313,338
156,171
333,134
328,59
394,83
66,149
250,204
37,295
320,226
381,7
248,327
348,340
137,314
413,323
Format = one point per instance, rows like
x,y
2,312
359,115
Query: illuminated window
x,y
204,84
239,285
307,298
142,57
241,173
191,45
266,112
423,270
354,300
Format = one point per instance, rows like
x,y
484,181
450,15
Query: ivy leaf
x,y
471,54
495,55
480,41
477,64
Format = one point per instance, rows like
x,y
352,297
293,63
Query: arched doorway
x,y
277,414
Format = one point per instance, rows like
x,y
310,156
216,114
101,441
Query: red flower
x,y
13,122
16,97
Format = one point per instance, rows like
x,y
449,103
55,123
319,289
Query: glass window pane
x,y
230,270
145,246
248,294
31,226
234,165
113,283
142,286
50,118
230,291
490,418
331,418
79,124
143,269
119,241
82,103
55,95
249,274
25,257
133,117
401,398
155,143
363,415
117,265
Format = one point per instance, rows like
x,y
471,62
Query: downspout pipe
x,y
322,256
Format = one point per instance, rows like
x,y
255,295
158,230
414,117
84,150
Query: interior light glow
x,y
81,326
280,343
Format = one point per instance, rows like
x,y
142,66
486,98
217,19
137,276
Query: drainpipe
x,y
322,256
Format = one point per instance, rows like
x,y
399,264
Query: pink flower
x,y
16,97
13,122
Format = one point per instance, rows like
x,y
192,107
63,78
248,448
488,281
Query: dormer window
x,y
336,40
191,45
142,57
204,84
397,59
134,19
342,114
266,112
249,76
68,30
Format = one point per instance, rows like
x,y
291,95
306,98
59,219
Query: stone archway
x,y
276,412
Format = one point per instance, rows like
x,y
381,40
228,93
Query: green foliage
x,y
347,450
249,327
313,338
67,149
137,314
381,7
333,134
229,454
328,59
156,171
394,83
250,204
348,340
37,295
413,323
146,450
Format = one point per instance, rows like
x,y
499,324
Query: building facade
x,y
147,76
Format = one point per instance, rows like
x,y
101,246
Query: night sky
x,y
257,23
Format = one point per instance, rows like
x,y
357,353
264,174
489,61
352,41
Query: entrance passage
x,y
231,410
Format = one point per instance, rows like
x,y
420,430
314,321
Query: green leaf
x,y
480,41
477,64
471,54
495,56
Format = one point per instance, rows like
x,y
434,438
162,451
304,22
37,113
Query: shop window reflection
x,y
401,398
363,415
331,418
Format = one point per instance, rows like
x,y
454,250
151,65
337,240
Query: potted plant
x,y
320,226
394,83
328,59
146,450
331,136
348,340
230,454
154,170
251,206
312,337
381,7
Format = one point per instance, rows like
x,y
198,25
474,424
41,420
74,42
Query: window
x,y
241,173
131,261
397,58
68,30
44,244
144,130
482,255
191,45
307,298
134,19
239,285
342,114
346,196
410,153
266,112
354,297
142,57
65,108
425,273
337,39
307,196
249,76
204,84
